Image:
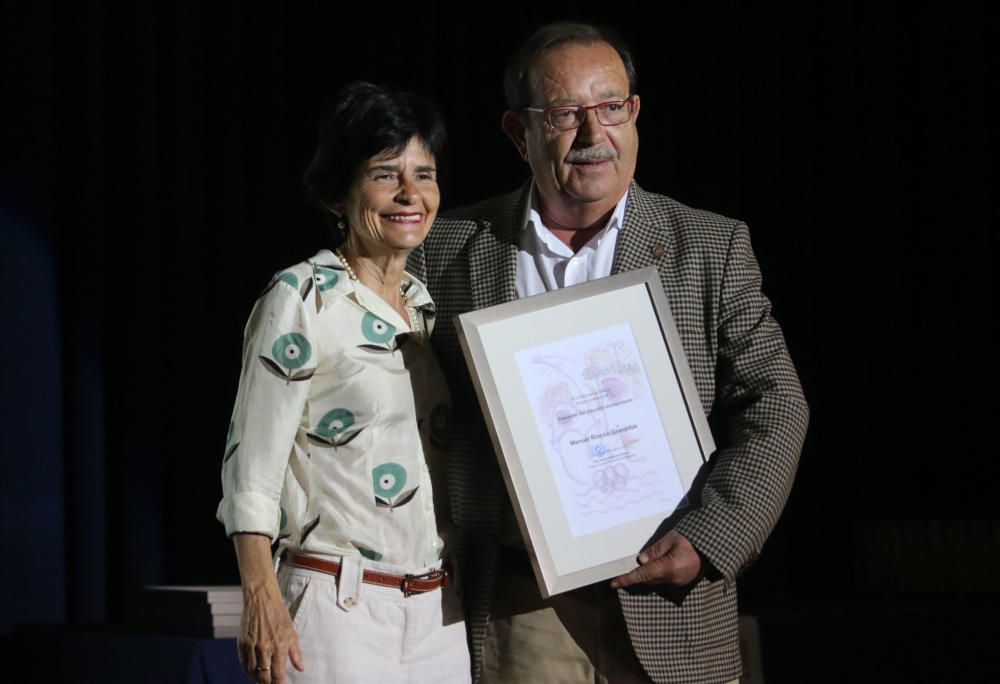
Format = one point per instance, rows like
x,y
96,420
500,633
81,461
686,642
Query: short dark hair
x,y
517,85
363,120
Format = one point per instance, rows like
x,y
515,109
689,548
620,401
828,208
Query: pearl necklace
x,y
411,312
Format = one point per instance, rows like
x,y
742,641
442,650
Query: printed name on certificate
x,y
603,436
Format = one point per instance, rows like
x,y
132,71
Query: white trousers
x,y
358,632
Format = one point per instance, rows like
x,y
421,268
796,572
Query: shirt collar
x,y
328,268
531,218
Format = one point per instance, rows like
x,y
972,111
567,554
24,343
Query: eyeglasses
x,y
568,117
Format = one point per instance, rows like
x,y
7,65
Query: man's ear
x,y
514,128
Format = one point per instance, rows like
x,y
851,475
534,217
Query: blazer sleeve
x,y
760,418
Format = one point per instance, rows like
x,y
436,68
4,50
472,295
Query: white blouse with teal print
x,y
339,422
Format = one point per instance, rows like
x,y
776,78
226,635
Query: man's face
x,y
590,164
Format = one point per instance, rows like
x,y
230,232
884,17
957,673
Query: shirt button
x,y
574,261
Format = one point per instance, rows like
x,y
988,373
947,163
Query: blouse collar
x,y
332,282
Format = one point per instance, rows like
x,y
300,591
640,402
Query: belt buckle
x,y
433,574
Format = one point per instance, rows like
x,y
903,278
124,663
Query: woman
x,y
333,445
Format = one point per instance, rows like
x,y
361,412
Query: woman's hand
x,y
267,640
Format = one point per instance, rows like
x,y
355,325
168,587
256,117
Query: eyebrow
x,y
395,167
605,96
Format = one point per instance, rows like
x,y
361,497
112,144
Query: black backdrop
x,y
152,155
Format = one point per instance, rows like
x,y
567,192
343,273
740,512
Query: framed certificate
x,y
595,419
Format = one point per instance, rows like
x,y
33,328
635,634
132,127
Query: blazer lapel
x,y
642,241
493,253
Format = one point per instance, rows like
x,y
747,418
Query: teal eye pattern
x,y
334,422
388,479
369,553
333,429
376,330
325,278
292,350
282,525
290,278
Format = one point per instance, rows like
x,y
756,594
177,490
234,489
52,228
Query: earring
x,y
342,227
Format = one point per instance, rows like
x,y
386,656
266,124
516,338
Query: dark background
x,y
151,163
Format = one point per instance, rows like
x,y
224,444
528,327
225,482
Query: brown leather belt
x,y
408,584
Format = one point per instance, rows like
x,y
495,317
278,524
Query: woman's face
x,y
393,201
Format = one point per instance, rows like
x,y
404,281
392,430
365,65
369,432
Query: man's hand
x,y
670,560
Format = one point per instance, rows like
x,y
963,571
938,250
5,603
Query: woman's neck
x,y
380,273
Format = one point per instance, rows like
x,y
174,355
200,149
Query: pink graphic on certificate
x,y
602,432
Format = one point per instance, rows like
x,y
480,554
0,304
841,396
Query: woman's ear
x,y
336,208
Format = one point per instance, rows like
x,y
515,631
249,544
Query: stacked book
x,y
196,611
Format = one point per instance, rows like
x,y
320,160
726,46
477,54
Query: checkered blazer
x,y
744,377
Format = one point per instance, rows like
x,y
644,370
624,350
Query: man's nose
x,y
591,130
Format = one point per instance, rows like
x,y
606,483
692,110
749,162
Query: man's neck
x,y
575,237
574,224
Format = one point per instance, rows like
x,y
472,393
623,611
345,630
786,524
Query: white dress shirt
x,y
545,263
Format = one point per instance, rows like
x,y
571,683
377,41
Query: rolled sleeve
x,y
249,512
279,359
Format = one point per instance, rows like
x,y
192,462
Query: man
x,y
572,115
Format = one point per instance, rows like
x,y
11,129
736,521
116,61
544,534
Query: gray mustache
x,y
590,154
